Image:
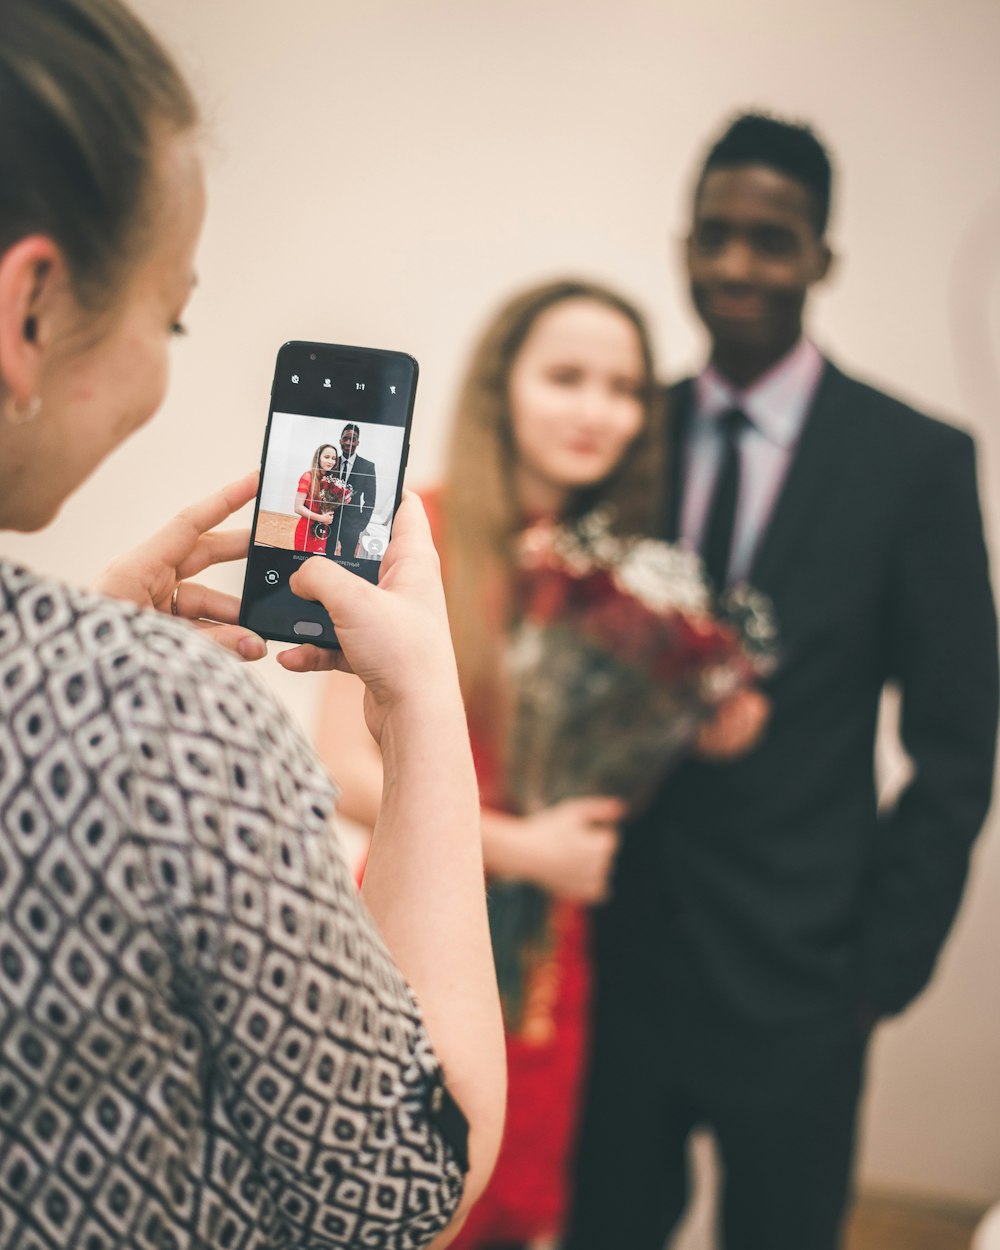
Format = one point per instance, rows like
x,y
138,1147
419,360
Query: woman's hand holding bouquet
x,y
622,662
566,849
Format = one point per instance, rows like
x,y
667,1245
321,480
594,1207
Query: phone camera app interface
x,y
329,487
331,476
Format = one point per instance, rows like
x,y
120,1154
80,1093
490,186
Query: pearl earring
x,y
18,415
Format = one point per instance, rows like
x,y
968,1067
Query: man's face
x,y
752,255
349,442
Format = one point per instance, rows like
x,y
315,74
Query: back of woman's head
x,y
85,91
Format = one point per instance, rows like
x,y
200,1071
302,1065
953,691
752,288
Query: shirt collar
x,y
776,404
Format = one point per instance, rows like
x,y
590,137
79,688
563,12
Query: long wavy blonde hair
x,y
316,470
481,513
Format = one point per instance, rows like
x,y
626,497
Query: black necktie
x,y
717,538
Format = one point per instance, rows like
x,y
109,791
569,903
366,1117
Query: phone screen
x,y
335,450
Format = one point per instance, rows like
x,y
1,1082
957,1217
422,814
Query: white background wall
x,y
383,172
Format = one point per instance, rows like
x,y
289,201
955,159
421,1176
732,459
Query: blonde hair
x,y
315,470
479,503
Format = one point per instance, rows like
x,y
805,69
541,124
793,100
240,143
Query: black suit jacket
x,y
356,515
771,889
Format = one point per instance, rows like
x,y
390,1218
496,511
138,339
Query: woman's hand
x,y
326,518
568,849
424,878
395,635
736,727
150,574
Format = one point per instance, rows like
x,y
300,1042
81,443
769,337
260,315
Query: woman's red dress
x,y
306,538
526,1197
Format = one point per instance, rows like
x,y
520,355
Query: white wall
x,y
382,172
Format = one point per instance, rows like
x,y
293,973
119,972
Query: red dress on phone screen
x,y
306,538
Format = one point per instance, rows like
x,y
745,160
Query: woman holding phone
x,y
208,1038
557,415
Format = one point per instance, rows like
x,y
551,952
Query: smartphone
x,y
331,476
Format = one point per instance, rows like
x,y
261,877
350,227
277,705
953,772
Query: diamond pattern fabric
x,y
203,1040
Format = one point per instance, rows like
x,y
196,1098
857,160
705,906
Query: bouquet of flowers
x,y
332,492
621,653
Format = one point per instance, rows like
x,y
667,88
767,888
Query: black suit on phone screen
x,y
352,519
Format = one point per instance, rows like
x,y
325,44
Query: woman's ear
x,y
826,262
32,274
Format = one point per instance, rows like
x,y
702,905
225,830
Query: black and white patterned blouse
x,y
203,1040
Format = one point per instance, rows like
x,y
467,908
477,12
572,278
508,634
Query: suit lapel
x,y
814,471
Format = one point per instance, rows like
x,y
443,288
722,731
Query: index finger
x,y
196,519
217,547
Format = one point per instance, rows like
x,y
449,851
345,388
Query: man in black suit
x,y
765,913
352,518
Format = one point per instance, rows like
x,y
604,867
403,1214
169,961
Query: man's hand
x,y
736,727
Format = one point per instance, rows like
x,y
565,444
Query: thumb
x,y
319,580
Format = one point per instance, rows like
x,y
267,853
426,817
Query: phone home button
x,y
307,629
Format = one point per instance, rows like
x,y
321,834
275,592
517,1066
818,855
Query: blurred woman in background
x,y
556,415
206,1037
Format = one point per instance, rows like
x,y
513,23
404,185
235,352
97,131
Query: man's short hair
x,y
351,426
789,148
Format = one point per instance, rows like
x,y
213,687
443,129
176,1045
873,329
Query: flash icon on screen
x,y
392,390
